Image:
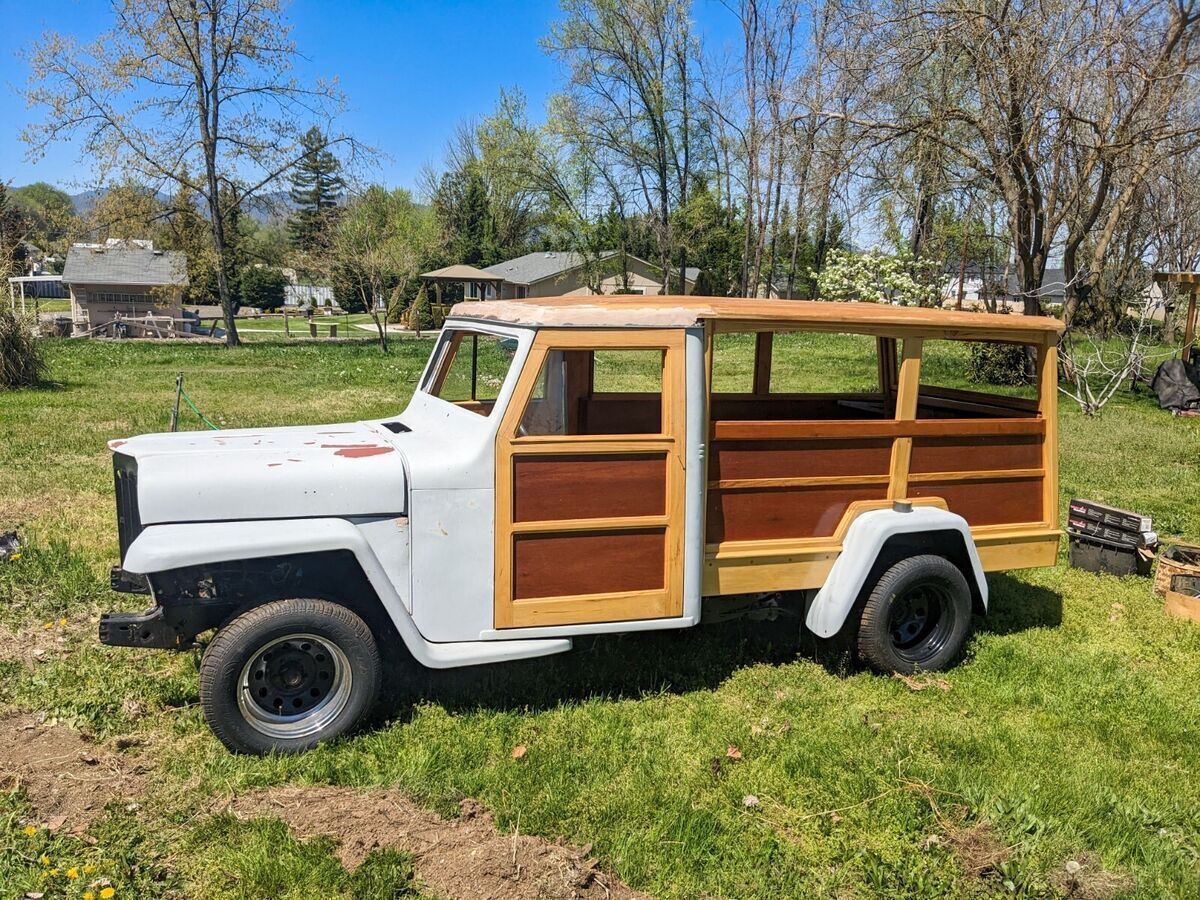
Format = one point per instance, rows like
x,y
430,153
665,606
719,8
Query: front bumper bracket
x,y
144,629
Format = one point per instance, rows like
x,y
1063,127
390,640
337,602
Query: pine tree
x,y
316,184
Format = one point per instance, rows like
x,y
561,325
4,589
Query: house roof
x,y
534,267
125,265
461,272
738,314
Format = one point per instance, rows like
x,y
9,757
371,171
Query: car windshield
x,y
469,368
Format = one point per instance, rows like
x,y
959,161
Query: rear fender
x,y
161,548
870,538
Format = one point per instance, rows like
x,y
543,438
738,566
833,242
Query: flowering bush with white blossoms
x,y
873,277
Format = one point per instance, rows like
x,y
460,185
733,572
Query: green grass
x,y
1070,728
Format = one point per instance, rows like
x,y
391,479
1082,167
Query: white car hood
x,y
352,469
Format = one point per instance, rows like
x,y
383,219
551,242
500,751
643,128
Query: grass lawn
x,y
1070,732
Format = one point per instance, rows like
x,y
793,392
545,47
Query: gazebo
x,y
1191,282
462,274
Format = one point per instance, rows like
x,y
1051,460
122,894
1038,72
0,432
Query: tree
x,y
316,187
376,250
14,231
51,215
127,211
181,86
630,101
262,287
464,218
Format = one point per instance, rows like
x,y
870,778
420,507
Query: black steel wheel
x,y
287,675
917,616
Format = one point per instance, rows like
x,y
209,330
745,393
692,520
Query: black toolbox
x,y
1108,540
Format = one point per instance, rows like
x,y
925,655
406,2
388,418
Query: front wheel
x,y
917,616
288,675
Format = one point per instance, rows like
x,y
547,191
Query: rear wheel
x,y
287,675
917,616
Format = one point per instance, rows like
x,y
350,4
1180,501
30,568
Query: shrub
x,y
263,287
1002,364
21,362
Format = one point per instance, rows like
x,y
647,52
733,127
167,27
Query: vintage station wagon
x,y
576,466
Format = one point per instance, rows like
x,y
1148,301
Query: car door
x,y
590,461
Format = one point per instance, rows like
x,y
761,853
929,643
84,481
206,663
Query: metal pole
x,y
175,409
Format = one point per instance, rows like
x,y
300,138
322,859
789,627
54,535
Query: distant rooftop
x,y
534,267
131,262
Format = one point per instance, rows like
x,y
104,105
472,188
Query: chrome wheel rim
x,y
294,686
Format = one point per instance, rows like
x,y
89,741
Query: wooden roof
x,y
1177,277
741,314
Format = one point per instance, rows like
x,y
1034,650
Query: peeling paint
x,y
113,445
358,452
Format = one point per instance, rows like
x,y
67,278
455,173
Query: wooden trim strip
x,y
763,342
744,484
552,526
1047,365
624,443
906,409
979,475
817,429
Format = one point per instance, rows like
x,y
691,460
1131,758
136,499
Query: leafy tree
x,y
51,215
173,88
316,187
262,287
127,211
464,218
14,230
376,251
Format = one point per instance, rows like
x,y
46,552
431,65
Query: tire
x,y
916,618
287,675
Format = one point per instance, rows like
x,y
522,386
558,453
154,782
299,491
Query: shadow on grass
x,y
1016,605
611,667
634,665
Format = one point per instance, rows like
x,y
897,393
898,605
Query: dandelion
x,y
72,873
53,872
108,893
30,830
44,860
62,621
48,625
88,895
89,869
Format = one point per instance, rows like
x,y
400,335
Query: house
x,y
305,295
123,279
558,273
981,285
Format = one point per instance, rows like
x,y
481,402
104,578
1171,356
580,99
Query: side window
x,y
597,392
818,363
733,363
977,379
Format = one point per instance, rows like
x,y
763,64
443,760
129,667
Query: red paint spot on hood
x,y
358,452
113,445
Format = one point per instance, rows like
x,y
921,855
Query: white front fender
x,y
865,539
162,547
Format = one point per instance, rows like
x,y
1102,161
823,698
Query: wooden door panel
x,y
568,486
597,562
589,526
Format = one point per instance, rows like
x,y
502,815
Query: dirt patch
x,y
30,645
973,841
1084,878
462,858
67,779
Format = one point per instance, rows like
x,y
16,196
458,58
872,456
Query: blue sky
x,y
411,70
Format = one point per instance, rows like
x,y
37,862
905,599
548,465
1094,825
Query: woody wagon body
x,y
569,467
